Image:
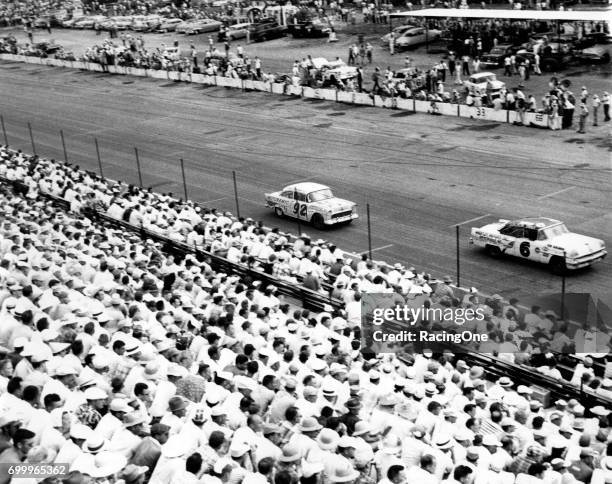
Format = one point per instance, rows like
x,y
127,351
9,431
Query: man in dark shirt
x,y
581,469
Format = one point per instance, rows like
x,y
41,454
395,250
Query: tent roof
x,y
563,16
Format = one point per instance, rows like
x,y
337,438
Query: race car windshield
x,y
556,231
320,195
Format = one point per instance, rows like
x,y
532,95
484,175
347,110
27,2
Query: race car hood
x,y
343,72
333,204
495,85
576,245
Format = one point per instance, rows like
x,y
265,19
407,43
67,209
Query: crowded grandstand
x,y
124,360
152,339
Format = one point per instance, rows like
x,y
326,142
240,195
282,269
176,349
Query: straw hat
x,y
107,464
328,439
344,473
291,453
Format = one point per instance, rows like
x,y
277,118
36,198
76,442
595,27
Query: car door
x,y
300,205
524,245
419,37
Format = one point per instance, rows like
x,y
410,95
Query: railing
x,y
495,367
415,105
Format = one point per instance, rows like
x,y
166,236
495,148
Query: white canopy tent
x,y
544,15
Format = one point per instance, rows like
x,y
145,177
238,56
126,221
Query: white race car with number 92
x,y
311,202
542,240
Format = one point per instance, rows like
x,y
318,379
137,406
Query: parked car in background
x,y
47,47
237,31
311,28
412,77
598,54
70,23
397,31
201,26
592,39
139,23
265,29
153,22
169,24
414,37
89,22
484,84
42,22
330,72
495,58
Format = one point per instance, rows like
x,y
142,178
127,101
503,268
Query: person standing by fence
x,y
584,113
595,103
536,65
605,100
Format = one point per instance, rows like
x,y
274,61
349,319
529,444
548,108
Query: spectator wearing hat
x,y
290,461
112,421
171,461
175,415
126,440
444,289
148,451
90,413
72,448
133,474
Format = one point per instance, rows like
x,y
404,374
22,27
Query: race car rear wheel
x,y
279,212
557,265
493,251
317,221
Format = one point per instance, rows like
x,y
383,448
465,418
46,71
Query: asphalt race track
x,y
420,174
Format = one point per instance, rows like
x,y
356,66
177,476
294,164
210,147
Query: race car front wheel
x,y
317,221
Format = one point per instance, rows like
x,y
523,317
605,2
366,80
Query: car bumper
x,y
586,261
338,220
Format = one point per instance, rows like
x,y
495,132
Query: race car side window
x,y
531,234
509,230
287,194
300,197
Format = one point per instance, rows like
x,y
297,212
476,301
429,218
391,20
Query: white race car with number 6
x,y
542,240
311,202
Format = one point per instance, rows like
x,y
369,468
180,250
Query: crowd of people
x,y
130,365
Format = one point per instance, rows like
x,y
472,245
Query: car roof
x,y
536,222
306,187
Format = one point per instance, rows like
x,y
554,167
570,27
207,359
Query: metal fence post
x,y
458,262
64,146
138,167
236,193
4,130
99,159
184,180
563,287
32,138
369,231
